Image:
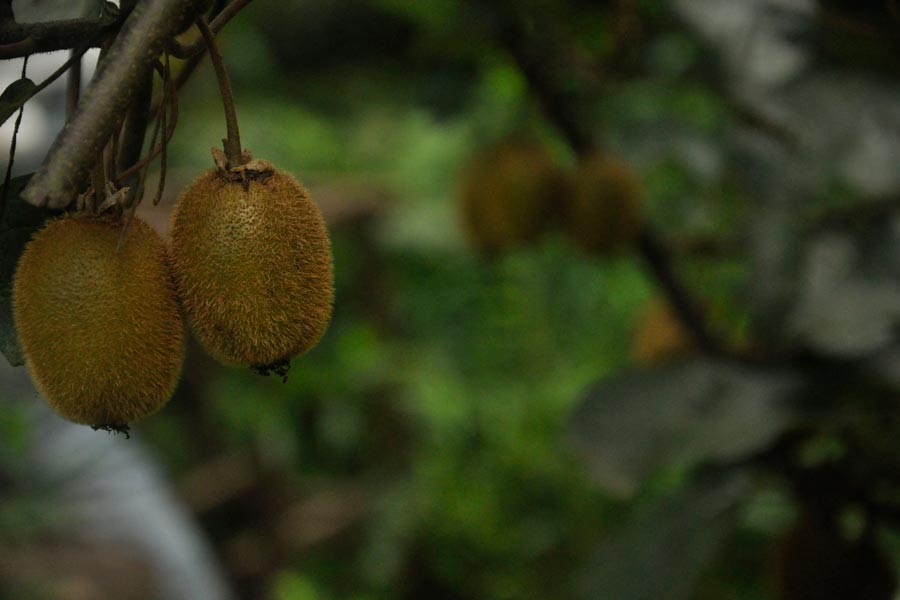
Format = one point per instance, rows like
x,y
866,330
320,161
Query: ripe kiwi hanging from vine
x,y
98,318
251,253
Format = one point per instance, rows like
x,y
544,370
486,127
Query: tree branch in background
x,y
556,104
558,108
143,37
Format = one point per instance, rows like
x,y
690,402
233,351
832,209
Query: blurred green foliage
x,y
480,363
425,448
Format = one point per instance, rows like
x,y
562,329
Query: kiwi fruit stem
x,y
232,143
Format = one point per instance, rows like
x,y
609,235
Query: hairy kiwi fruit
x,y
509,194
101,328
660,335
813,561
253,264
604,206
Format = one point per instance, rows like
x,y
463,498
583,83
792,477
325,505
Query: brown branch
x,y
21,39
557,105
143,36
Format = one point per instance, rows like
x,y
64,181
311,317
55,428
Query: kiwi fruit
x,y
603,213
100,327
509,194
660,336
253,264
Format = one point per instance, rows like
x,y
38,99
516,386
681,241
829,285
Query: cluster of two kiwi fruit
x,y
101,323
513,192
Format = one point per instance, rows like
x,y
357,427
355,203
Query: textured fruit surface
x,y
509,195
812,561
604,212
102,331
253,266
659,335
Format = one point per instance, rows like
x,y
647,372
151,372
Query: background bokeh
x,y
484,427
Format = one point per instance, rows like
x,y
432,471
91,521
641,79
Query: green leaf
x,y
19,221
631,424
663,552
14,96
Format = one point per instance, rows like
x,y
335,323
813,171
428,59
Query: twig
x,y
232,142
134,132
156,149
76,56
12,149
142,38
656,257
557,105
216,25
163,159
73,86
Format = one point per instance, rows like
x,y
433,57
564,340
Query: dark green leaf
x,y
19,221
664,551
14,96
631,424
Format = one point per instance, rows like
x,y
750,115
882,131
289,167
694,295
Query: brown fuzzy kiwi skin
x,y
509,194
102,331
253,264
604,206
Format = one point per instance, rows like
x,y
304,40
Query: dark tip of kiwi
x,y
115,428
279,367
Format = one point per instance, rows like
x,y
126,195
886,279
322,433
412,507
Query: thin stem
x,y
163,158
156,150
233,142
216,25
73,86
12,148
76,56
658,261
22,39
134,133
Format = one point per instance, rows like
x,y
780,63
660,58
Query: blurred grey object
x,y
109,489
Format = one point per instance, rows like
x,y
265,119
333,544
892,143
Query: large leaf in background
x,y
632,423
663,552
17,224
849,301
